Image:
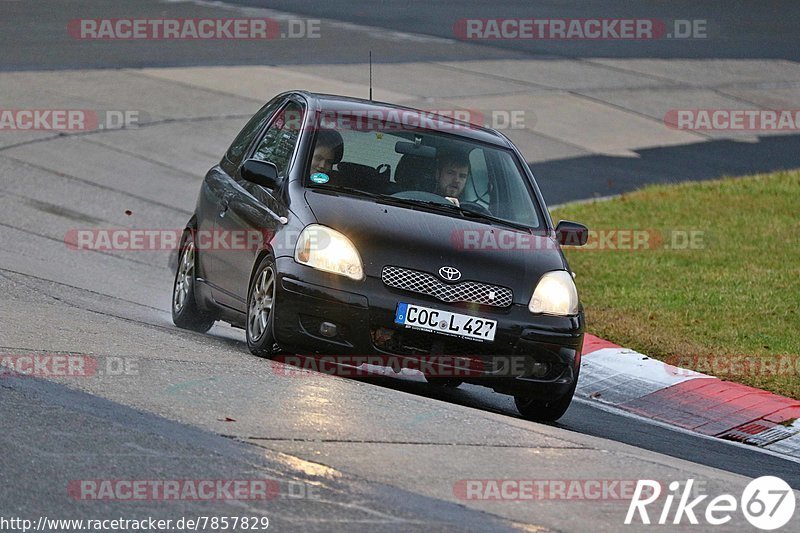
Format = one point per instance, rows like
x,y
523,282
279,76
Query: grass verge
x,y
703,275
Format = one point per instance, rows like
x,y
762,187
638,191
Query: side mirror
x,y
571,233
261,173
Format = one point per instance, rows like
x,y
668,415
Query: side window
x,y
233,157
279,141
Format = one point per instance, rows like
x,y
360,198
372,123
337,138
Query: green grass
x,y
737,295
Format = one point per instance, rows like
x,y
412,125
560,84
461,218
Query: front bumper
x,y
529,353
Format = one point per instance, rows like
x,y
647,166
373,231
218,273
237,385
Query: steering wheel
x,y
475,206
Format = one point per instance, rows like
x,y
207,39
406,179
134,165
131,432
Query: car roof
x,y
344,104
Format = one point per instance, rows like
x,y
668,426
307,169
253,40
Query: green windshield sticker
x,y
320,177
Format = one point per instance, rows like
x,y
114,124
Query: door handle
x,y
223,208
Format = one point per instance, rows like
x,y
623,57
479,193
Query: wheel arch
x,y
267,250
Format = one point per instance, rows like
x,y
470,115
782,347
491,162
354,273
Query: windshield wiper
x,y
468,213
492,218
387,197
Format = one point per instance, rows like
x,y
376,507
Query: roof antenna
x,y
370,75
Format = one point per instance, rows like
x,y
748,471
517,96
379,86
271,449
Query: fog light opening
x,y
328,329
540,370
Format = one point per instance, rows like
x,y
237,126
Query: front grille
x,y
466,291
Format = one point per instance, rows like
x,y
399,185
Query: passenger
x,y
328,151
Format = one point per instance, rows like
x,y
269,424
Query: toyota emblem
x,y
450,273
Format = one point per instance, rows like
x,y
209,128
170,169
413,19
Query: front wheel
x,y
185,312
260,309
548,410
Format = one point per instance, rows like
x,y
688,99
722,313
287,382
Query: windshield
x,y
394,162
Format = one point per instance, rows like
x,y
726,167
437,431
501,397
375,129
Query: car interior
x,y
403,164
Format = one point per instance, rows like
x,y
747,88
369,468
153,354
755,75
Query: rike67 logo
x,y
767,503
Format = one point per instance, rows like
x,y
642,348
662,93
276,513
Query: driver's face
x,y
323,159
451,179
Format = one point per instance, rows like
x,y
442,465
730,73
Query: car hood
x,y
420,240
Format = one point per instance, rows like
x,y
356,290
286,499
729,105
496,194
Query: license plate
x,y
445,322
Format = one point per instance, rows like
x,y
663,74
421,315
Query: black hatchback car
x,y
346,227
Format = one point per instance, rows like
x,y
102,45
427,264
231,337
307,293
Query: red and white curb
x,y
636,383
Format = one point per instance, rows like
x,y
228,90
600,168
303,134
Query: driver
x,y
452,171
328,150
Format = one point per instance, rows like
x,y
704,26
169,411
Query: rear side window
x,y
233,157
277,145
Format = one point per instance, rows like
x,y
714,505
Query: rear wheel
x,y
260,309
185,312
549,410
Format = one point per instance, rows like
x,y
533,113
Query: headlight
x,y
555,295
326,249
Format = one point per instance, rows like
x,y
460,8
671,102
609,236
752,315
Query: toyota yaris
x,y
342,226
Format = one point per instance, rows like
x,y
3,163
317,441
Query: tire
x,y
185,312
550,410
260,306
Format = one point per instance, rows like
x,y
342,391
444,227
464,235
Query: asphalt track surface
x,y
380,454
